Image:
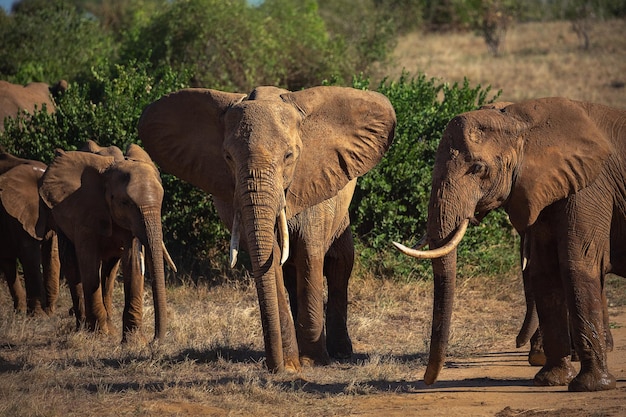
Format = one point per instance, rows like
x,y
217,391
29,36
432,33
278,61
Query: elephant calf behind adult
x,y
104,203
281,167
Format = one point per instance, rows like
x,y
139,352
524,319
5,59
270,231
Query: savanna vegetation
x,y
433,59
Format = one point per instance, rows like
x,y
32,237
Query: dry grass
x,y
211,362
538,60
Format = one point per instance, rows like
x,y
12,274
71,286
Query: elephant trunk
x,y
259,213
154,256
531,320
444,221
444,270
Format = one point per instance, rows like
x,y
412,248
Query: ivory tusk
x,y
142,259
168,258
439,252
525,251
284,236
234,241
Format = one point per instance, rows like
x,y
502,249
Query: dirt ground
x,y
500,384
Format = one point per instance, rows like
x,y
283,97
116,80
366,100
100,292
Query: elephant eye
x,y
478,168
288,156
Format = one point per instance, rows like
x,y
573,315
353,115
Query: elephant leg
x,y
132,318
33,279
536,355
51,271
338,265
310,317
291,355
545,281
290,276
69,269
18,295
89,271
588,330
108,274
583,277
605,316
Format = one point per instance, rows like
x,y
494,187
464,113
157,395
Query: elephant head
x,y
101,202
522,157
268,155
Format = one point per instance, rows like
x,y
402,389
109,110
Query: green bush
x,y
391,201
50,40
233,46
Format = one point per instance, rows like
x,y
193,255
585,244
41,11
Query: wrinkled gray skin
x,y
15,98
557,165
530,328
275,150
26,235
105,204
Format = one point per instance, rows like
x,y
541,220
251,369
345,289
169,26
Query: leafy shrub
x,y
50,40
233,46
391,201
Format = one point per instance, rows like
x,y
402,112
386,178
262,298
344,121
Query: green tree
x,y
50,40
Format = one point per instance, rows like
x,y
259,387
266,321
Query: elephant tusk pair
x,y
166,256
283,232
435,253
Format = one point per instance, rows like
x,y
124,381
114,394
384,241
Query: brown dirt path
x,y
500,384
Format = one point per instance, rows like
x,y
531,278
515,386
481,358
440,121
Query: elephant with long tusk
x,y
558,168
281,167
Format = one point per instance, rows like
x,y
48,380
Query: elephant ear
x,y
8,161
20,197
345,132
564,151
93,147
73,188
183,133
136,153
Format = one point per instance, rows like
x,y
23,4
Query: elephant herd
x,y
282,166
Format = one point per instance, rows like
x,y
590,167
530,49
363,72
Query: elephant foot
x,y
339,348
318,360
560,373
134,336
35,310
292,366
592,381
536,358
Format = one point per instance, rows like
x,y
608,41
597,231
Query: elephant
x,y
26,235
281,167
15,98
104,205
557,167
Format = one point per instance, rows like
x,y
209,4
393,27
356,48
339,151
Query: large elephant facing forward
x,y
107,203
282,167
559,166
15,98
26,235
